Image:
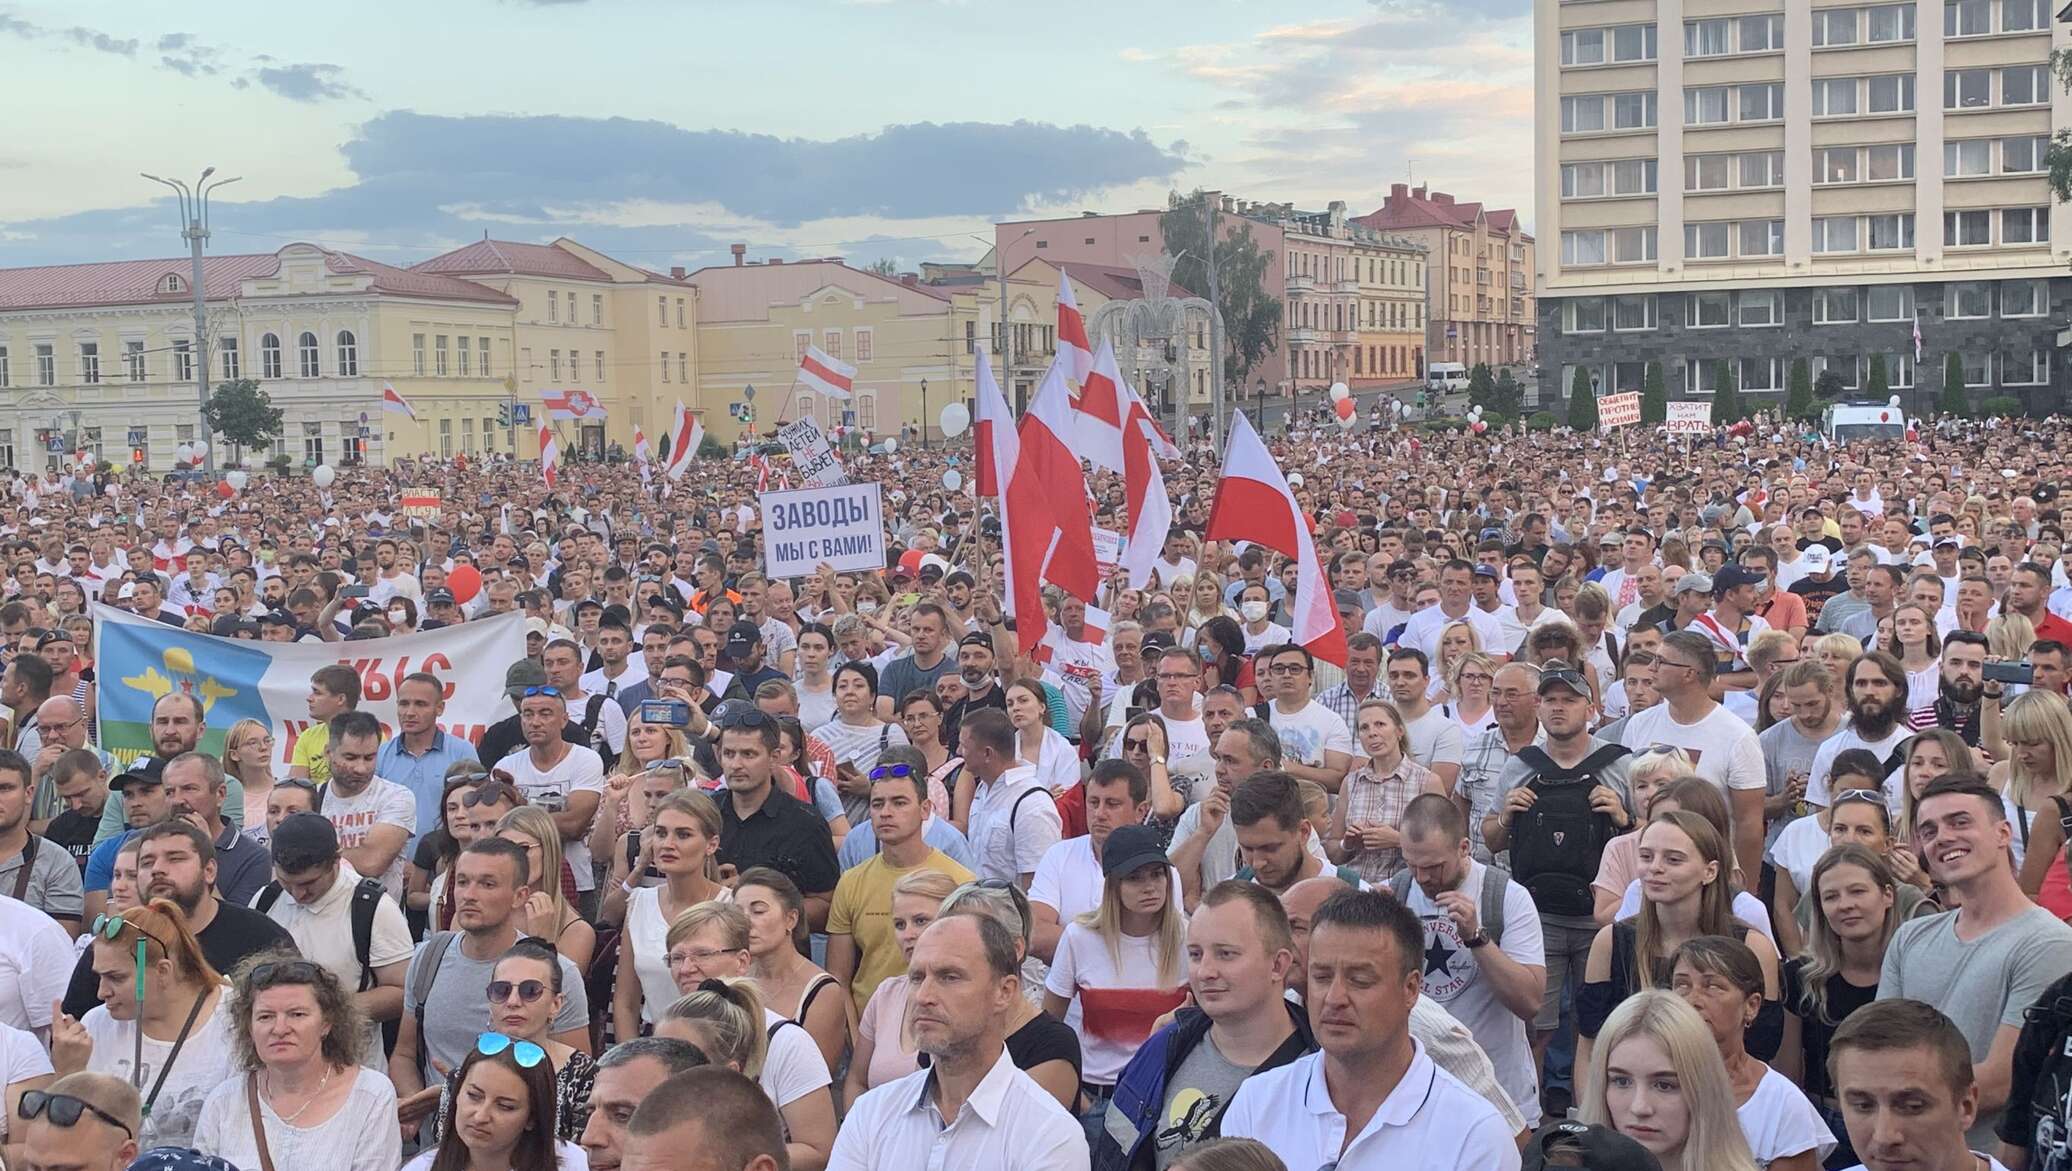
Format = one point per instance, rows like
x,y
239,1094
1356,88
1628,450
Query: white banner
x,y
1691,418
1107,550
813,461
139,660
1618,410
842,526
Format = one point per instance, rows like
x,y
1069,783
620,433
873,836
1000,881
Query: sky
x,y
662,131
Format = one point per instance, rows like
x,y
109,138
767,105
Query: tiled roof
x,y
1410,211
138,282
1113,282
507,256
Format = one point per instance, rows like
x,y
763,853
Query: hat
x,y
301,838
981,638
51,636
536,626
1693,582
1947,541
1346,598
743,636
524,673
909,564
177,1159
225,626
440,597
1732,577
1129,847
128,590
1484,570
1558,673
931,561
147,770
1602,1148
276,618
1158,640
1814,558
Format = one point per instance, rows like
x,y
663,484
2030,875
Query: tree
x,y
1510,397
1654,398
1582,402
242,413
883,266
1954,401
1481,387
1829,385
1726,397
1799,403
1880,381
1251,313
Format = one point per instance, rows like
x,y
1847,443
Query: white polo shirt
x,y
1010,829
1008,1123
1429,1121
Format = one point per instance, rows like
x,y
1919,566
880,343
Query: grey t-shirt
x,y
457,1011
1984,984
1196,1094
1786,750
55,887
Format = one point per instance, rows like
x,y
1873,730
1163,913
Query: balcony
x,y
1517,280
1305,336
1345,286
1301,284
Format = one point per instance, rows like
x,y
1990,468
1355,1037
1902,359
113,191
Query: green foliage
x,y
712,448
1481,387
1454,425
1954,401
242,413
1726,395
1654,398
884,266
1251,314
1582,402
1798,403
1541,421
280,464
1510,396
1829,386
2000,406
1880,382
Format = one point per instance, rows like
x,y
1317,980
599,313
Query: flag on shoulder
x,y
830,376
550,456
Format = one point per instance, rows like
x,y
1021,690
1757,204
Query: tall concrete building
x,y
1740,182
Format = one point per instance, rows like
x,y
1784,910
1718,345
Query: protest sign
x,y
1618,410
1107,550
1692,418
842,526
139,660
418,503
811,457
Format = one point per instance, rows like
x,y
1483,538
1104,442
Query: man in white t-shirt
x,y
1456,604
1876,692
36,960
1436,741
1077,661
1174,565
374,817
1068,880
312,897
567,780
1723,748
1315,743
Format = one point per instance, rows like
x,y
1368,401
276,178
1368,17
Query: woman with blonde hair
x,y
248,760
547,914
884,1048
680,844
1723,980
1456,640
1649,773
2009,637
2032,782
1363,833
1835,652
1656,1077
1470,680
1928,757
1205,601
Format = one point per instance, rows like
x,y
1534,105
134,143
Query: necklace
x,y
312,1100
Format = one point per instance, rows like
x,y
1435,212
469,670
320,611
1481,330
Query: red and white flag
x,y
995,446
641,454
1254,503
571,406
1144,490
1045,532
1097,424
550,456
1074,354
830,376
686,433
392,400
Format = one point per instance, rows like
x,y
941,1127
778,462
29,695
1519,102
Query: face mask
x,y
974,678
398,618
866,606
1253,611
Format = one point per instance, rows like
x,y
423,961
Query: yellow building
x,y
1480,280
1390,328
101,357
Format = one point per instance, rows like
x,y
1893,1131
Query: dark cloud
x,y
306,82
540,177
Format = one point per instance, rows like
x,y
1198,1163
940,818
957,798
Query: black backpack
x,y
1557,844
366,899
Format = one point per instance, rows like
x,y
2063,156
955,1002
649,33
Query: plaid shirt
x,y
1381,800
1341,700
1485,758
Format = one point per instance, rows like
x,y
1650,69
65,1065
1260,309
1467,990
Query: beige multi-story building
x,y
1354,307
1479,292
1736,184
1390,331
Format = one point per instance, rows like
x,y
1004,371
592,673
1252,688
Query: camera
x,y
667,713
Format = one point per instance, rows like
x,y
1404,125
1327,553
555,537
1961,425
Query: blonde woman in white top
x,y
681,844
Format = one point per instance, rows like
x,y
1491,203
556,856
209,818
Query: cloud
x,y
84,37
183,53
304,83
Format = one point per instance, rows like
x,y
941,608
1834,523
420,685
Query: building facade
x,y
1355,299
1479,288
1749,184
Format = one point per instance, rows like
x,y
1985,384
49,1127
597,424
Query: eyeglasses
x,y
701,956
1286,669
1136,743
1662,662
288,972
492,793
109,927
528,990
895,771
64,1110
525,1053
550,692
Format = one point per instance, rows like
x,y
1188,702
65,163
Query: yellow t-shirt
x,y
862,910
312,750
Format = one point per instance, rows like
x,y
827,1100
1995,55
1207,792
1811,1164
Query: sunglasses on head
x,y
748,718
64,1110
492,793
287,971
552,692
109,927
897,771
526,1053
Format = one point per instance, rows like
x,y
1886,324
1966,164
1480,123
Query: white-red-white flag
x,y
994,444
1097,424
1074,354
686,432
641,454
1144,491
393,402
550,456
830,376
1254,503
1043,519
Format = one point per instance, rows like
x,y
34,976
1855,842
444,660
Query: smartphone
x,y
667,713
2023,673
355,590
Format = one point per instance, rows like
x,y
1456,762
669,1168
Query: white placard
x,y
1692,418
1618,410
813,461
842,526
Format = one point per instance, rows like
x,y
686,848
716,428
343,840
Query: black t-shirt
x,y
506,736
1843,998
75,832
235,933
786,835
1044,1038
1817,593
2039,1108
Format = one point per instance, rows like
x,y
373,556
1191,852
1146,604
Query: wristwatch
x,y
1476,940
1159,760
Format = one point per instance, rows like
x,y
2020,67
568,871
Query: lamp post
x,y
1259,411
194,220
924,413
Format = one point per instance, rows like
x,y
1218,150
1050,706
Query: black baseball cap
x,y
147,770
1600,1147
1129,847
1732,577
745,634
977,638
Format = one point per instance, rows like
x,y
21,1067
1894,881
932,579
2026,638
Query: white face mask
x,y
867,606
398,618
1254,611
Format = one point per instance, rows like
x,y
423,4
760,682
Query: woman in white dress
x,y
1036,742
297,1035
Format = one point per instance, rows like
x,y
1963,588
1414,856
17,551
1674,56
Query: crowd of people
x,y
1695,803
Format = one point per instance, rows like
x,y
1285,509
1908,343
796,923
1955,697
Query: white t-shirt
x,y
581,771
1842,741
1076,662
1108,999
1722,747
206,1061
1308,734
323,934
1798,848
361,1136
1469,729
21,1058
1273,635
1435,738
1069,881
793,1066
36,959
567,1157
382,802
1779,1122
1458,986
1424,628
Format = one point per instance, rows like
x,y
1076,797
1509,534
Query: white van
x,y
1859,421
1447,378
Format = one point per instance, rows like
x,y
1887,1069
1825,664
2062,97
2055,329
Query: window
x,y
1633,245
867,410
1844,368
1583,46
553,305
554,365
1706,311
1626,177
1705,106
1701,376
1834,96
1834,306
1706,241
2024,298
446,438
1967,18
1585,315
1836,233
1706,172
1707,38
1978,369
132,361
1964,229
1761,34
1967,88
1834,26
683,367
662,310
1763,168
464,356
227,358
1889,303
349,355
1890,231
1762,238
467,434
866,344
1762,374
90,362
1883,164
1899,368
482,348
1892,93
1890,22
2025,225
416,353
680,314
525,363
1968,156
172,283
1835,164
801,342
597,308
665,365
439,356
1633,313
1969,300
1633,111
306,355
1761,103
2024,85
2024,15
2025,369
1762,308
183,361
2023,154
1583,247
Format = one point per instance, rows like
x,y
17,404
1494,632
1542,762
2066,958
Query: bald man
x,y
64,728
106,1115
705,1119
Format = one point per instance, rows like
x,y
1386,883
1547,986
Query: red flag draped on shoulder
x,y
641,454
1254,503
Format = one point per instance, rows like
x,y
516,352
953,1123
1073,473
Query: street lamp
x,y
194,221
924,412
1259,412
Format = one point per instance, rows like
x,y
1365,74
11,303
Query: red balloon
x,y
465,581
1345,408
224,489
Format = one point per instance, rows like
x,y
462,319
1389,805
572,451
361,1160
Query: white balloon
x,y
1339,392
954,419
1346,424
891,445
183,453
951,480
201,448
237,479
323,475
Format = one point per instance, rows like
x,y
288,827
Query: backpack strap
x,y
424,969
1015,811
1496,881
22,876
366,901
593,707
268,896
1399,885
